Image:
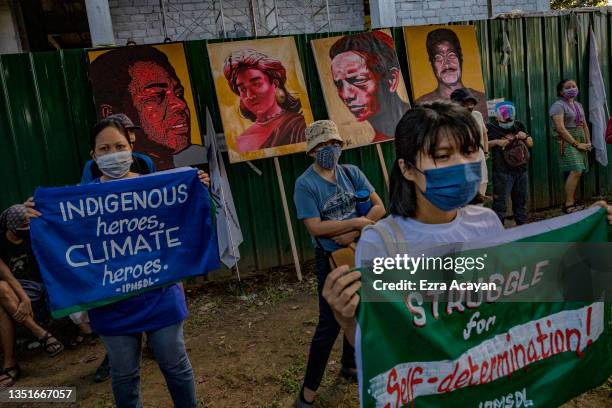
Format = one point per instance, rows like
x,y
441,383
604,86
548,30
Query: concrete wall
x,y
141,20
417,12
9,37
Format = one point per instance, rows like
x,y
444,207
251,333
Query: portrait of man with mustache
x,y
141,82
446,59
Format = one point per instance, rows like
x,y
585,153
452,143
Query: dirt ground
x,y
245,352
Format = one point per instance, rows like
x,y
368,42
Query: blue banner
x,y
100,243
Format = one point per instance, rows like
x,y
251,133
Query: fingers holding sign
x,y
607,207
204,178
340,292
32,212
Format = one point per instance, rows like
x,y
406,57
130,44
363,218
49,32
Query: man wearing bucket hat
x,y
509,143
325,199
142,164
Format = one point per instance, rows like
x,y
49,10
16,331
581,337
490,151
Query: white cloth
x,y
229,234
597,104
483,160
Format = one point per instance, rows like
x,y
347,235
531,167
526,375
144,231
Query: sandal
x,y
569,209
82,338
9,376
54,347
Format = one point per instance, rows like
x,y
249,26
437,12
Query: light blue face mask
x,y
115,165
452,187
506,125
328,156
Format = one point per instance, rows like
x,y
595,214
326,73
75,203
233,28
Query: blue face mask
x,y
506,125
328,156
452,187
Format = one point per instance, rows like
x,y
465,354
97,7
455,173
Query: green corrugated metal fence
x,y
46,110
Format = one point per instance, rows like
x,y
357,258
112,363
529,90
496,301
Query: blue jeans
x,y
516,185
168,346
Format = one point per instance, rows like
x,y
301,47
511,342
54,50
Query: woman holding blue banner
x,y
158,312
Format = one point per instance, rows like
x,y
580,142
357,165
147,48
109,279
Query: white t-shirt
x,y
472,223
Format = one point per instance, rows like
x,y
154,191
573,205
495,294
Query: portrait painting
x,y
151,85
362,85
443,59
262,97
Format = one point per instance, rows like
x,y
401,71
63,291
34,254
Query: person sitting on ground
x,y
510,142
141,164
20,288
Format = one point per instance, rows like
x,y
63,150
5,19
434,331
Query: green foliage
x,y
566,4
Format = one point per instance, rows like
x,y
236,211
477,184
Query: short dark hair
x,y
110,77
103,124
439,35
561,84
418,131
376,47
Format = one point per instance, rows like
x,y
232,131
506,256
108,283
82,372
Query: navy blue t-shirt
x,y
316,197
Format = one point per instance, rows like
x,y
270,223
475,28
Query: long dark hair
x,y
103,124
419,131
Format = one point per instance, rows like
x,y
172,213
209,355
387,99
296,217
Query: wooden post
x,y
281,186
381,157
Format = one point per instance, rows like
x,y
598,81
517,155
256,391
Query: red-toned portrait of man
x,y
141,82
366,72
259,81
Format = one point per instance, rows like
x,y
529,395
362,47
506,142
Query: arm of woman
x,y
485,139
561,130
587,133
340,292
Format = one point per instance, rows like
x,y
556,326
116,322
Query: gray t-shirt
x,y
569,115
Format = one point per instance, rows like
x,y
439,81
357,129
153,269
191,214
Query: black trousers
x,y
326,333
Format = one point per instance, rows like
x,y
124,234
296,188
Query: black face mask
x,y
22,234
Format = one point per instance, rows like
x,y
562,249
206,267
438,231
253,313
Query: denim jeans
x,y
514,184
168,346
326,332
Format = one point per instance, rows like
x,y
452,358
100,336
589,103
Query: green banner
x,y
501,354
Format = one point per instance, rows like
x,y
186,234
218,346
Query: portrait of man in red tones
x,y
141,82
366,72
260,82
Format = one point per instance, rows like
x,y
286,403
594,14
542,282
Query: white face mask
x,y
115,165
